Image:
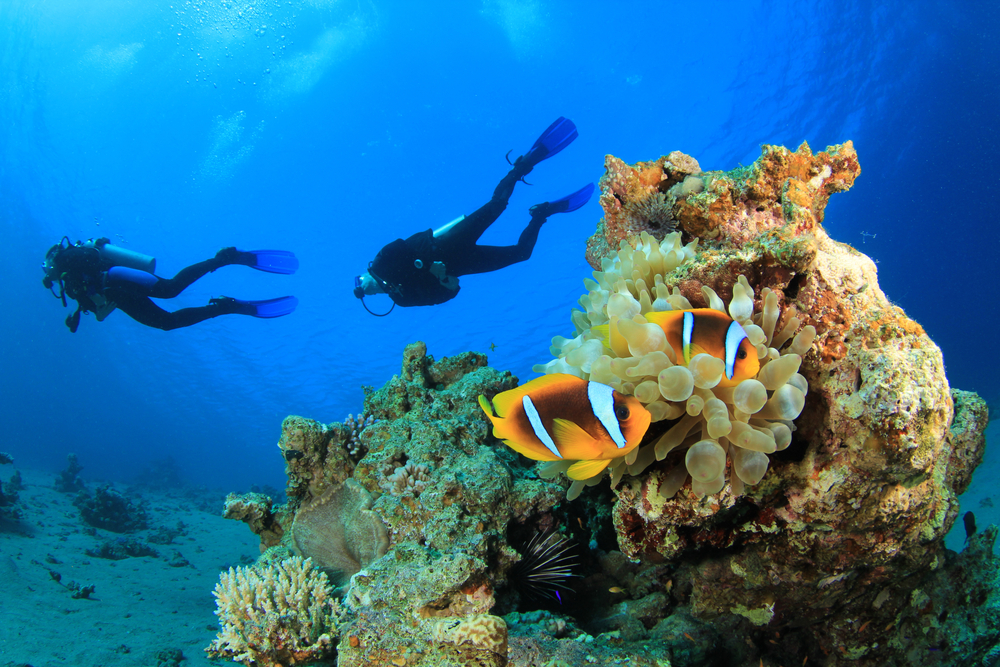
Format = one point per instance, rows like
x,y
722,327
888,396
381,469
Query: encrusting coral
x,y
479,639
283,614
744,422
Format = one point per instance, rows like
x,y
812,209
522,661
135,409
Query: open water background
x,y
327,127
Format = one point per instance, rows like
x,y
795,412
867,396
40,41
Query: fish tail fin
x,y
487,408
603,332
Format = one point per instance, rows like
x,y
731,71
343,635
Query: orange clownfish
x,y
705,330
562,417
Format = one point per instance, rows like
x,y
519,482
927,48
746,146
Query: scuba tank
x,y
118,256
77,269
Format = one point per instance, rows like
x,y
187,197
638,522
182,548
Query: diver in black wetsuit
x,y
423,269
102,277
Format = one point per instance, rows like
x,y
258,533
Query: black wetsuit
x,y
85,275
396,268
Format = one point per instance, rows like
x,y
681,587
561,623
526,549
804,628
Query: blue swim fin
x,y
273,261
267,308
558,136
564,205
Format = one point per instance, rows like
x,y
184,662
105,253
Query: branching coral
x,y
355,425
743,423
282,615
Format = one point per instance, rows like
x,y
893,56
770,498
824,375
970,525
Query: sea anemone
x,y
546,564
714,423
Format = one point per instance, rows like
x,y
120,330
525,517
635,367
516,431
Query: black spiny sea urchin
x,y
546,563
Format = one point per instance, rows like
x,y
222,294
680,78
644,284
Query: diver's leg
x,y
144,311
168,288
483,259
468,231
555,138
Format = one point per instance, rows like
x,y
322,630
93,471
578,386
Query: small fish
x,y
970,525
704,330
615,589
562,417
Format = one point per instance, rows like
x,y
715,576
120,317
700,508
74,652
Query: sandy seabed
x,y
144,611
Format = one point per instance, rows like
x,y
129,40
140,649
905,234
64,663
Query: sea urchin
x,y
546,563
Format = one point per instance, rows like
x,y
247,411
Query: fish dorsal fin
x,y
587,469
505,400
661,317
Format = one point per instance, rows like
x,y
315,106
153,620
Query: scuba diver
x,y
101,277
423,270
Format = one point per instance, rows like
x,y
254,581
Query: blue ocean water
x,y
177,127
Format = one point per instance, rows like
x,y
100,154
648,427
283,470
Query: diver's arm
x,y
439,271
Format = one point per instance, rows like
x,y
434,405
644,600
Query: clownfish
x,y
562,417
704,330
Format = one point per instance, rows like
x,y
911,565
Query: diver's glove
x,y
73,321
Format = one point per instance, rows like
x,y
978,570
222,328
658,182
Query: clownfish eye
x,y
622,412
742,354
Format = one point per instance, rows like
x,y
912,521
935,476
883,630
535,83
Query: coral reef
x,y
835,556
68,480
256,510
109,510
446,500
8,498
122,548
316,457
866,488
955,609
283,614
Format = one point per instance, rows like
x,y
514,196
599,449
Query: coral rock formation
x,y
110,510
8,498
68,480
255,510
864,494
